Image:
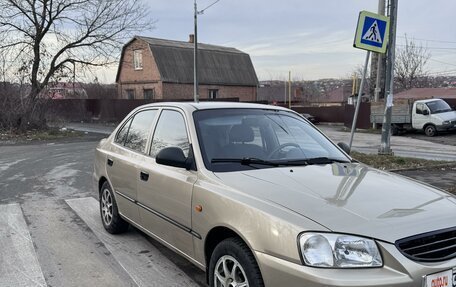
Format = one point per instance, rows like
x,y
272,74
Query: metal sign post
x,y
358,101
371,35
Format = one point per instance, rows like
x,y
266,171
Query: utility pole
x,y
289,89
285,94
195,50
195,57
380,60
385,148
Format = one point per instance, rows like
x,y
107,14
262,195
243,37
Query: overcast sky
x,y
313,39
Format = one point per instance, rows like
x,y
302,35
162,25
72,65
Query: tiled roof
x,y
217,65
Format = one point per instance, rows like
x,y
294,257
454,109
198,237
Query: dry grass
x,y
37,135
452,190
386,162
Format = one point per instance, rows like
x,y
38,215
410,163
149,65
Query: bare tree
x,y
410,65
46,38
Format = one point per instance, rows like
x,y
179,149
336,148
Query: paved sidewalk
x,y
105,129
401,145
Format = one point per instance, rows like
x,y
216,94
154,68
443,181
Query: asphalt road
x,y
446,138
51,235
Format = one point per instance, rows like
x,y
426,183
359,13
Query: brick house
x,y
153,68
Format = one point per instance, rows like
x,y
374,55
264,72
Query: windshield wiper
x,y
245,161
296,162
316,160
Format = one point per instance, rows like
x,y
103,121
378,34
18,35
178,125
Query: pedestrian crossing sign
x,y
372,32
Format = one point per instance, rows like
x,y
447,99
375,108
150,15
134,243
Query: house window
x,y
213,94
130,94
137,59
149,94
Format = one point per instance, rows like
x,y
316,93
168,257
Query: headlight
x,y
446,122
331,250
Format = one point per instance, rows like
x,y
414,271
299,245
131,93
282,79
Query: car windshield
x,y
438,106
240,139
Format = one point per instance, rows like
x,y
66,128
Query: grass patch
x,y
452,190
38,135
386,162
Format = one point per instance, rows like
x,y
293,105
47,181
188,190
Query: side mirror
x,y
425,112
344,147
172,156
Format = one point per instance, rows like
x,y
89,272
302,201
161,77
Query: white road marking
x,y
19,264
140,259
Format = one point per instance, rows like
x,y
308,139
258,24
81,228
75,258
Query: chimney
x,y
191,38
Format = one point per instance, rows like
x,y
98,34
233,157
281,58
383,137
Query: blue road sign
x,y
372,32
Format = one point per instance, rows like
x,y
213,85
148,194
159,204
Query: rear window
x,y
139,130
122,134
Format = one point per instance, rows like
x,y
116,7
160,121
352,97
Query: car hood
x,y
351,198
448,116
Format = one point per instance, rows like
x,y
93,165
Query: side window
x,y
419,109
170,132
139,130
122,134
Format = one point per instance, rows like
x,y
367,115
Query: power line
x,y
449,64
428,40
432,48
443,73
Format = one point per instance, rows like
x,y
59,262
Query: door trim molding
x,y
161,215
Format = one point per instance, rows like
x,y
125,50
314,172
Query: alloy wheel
x,y
106,206
229,272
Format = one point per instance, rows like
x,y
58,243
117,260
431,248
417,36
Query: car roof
x,y
192,106
429,100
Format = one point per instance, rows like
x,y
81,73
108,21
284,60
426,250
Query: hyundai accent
x,y
255,195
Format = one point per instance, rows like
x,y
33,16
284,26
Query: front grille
x,y
433,246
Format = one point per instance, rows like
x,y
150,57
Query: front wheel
x,y
109,212
430,130
232,264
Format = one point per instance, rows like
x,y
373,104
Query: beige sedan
x,y
255,195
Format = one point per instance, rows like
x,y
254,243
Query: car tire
x,y
430,130
235,255
109,212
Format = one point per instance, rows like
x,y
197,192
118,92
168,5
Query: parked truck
x,y
430,116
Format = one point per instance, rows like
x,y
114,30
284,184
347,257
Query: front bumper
x,y
398,271
447,127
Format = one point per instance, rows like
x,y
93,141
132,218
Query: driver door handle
x,y
144,176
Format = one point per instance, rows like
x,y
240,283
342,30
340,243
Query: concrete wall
x,y
173,91
105,110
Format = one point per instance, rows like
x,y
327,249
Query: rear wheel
x,y
232,264
430,130
110,217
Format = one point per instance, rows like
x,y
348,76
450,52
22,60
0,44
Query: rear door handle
x,y
110,162
144,176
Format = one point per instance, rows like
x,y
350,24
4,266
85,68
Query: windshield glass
x,y
438,106
230,136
